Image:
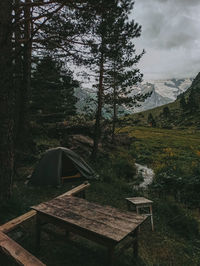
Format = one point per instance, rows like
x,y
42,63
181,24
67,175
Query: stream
x,y
147,174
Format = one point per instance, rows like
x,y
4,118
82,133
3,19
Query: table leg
x,y
38,233
135,243
138,212
110,256
151,213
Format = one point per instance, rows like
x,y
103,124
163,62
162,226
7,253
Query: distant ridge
x,y
182,113
163,92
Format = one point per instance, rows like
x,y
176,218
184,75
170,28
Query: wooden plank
x,y
139,200
18,253
79,207
7,227
75,190
68,217
78,175
108,210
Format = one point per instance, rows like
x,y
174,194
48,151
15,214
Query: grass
x,y
155,146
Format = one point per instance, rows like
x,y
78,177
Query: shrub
x,y
177,219
124,165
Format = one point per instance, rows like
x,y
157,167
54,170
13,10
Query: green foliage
x,y
166,112
174,157
179,221
183,103
52,91
118,165
151,121
124,167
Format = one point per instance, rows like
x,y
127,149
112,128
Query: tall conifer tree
x,y
7,101
115,59
52,90
122,73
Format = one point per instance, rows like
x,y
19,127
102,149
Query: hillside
x,y
184,112
162,92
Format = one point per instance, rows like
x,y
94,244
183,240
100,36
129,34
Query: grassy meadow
x,y
157,147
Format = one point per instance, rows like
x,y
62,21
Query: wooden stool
x,y
141,203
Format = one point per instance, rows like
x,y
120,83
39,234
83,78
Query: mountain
x,y
162,92
182,113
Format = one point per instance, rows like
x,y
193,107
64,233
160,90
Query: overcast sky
x,y
170,36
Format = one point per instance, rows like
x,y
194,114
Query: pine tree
x,y
52,92
7,101
99,50
151,121
122,73
193,100
166,112
115,58
183,103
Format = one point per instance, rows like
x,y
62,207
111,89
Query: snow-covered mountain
x,y
162,92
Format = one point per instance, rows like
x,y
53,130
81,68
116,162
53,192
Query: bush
x,y
175,181
178,220
124,168
123,165
117,165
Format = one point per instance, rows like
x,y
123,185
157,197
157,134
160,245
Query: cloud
x,y
170,33
180,2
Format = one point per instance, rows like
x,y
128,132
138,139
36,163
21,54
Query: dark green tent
x,y
59,163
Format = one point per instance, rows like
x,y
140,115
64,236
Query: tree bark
x,y
7,101
114,108
22,134
97,128
18,64
114,115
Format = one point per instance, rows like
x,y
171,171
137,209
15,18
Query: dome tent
x,y
58,163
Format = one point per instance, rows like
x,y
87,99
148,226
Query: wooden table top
x,y
105,221
139,200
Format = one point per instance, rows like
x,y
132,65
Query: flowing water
x,y
147,174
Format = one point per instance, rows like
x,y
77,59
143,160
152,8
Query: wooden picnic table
x,y
103,224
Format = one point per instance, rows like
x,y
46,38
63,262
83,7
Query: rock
x,y
78,143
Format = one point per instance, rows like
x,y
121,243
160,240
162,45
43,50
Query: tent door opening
x,y
69,171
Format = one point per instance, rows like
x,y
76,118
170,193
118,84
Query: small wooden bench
x,y
142,203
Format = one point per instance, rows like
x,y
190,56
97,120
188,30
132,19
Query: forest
x,y
68,70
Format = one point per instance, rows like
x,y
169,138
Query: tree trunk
x,y
18,69
22,137
114,107
97,128
114,115
7,101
